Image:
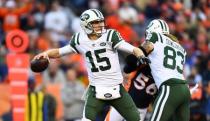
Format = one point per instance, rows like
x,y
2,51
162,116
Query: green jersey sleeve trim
x,y
77,38
109,36
74,42
152,37
115,38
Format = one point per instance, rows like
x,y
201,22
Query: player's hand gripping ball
x,y
39,63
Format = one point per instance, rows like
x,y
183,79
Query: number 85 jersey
x,y
167,58
101,57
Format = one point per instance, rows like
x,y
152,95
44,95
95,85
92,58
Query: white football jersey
x,y
100,56
167,58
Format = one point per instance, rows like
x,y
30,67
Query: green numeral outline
x,y
182,62
173,58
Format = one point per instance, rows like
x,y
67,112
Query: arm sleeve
x,y
131,64
126,47
66,50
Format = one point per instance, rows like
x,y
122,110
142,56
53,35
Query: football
x,y
39,65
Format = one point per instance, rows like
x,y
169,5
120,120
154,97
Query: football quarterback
x,y
99,46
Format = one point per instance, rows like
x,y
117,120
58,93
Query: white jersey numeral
x,y
140,84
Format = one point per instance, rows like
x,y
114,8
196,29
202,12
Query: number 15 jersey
x,y
101,57
167,58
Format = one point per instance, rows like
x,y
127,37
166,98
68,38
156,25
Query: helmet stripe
x,y
167,29
101,15
161,24
95,12
164,25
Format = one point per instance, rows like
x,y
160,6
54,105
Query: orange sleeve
x,y
23,9
112,21
131,76
3,12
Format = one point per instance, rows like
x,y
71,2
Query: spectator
x,y
53,74
39,14
7,116
35,102
152,10
206,23
197,15
195,77
3,72
56,21
206,73
11,14
49,107
71,93
207,102
43,41
123,21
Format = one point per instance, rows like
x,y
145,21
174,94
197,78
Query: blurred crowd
x,y
51,23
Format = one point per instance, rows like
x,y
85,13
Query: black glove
x,y
143,60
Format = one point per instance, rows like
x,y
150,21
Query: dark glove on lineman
x,y
143,60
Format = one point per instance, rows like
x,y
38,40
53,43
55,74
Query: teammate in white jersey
x,y
99,48
167,59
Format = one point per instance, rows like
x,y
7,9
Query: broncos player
x,y
142,88
99,46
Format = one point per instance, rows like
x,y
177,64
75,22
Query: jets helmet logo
x,y
84,17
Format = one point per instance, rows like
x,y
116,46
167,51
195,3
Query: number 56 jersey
x,y
101,57
167,58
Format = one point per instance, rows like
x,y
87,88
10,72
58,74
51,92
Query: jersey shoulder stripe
x,y
77,38
74,41
114,37
152,37
109,36
160,37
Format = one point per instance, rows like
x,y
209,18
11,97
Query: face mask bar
x,y
103,27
